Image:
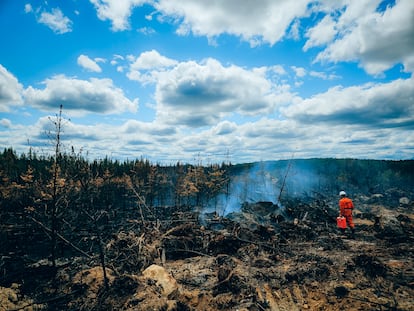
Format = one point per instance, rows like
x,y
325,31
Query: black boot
x,y
352,233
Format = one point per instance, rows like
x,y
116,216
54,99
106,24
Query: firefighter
x,y
345,209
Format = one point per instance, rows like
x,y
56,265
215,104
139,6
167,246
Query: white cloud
x,y
89,64
294,31
152,60
377,40
199,94
5,123
99,60
323,33
277,69
224,128
56,21
28,8
117,56
146,30
323,75
266,22
350,30
10,90
80,96
369,106
116,59
299,71
118,12
148,65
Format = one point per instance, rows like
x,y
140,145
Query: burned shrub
x,y
131,253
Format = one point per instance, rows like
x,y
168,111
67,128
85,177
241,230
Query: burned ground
x,y
264,257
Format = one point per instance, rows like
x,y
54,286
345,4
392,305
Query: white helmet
x,y
342,193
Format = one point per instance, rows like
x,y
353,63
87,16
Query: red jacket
x,y
346,206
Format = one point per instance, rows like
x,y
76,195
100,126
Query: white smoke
x,y
264,182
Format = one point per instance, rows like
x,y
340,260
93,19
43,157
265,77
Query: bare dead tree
x,y
284,179
55,183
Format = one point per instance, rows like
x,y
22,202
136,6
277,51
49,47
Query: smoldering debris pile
x,y
263,257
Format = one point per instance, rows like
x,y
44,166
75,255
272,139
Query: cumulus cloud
x,y
257,24
198,94
5,123
377,39
10,90
147,66
267,23
80,96
118,12
372,105
89,64
56,21
152,60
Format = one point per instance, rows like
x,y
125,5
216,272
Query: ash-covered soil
x,y
262,258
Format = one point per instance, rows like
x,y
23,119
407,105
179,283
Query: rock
x,y
162,278
404,201
389,226
12,299
376,198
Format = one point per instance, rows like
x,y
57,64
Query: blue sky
x,y
209,80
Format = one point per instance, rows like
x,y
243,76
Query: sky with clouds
x,y
209,80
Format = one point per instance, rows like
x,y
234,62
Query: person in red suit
x,y
345,209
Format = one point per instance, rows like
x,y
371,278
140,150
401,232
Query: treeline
x,y
327,176
28,178
357,176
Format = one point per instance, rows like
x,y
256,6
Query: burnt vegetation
x,y
134,235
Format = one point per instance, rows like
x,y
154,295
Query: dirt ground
x,y
262,258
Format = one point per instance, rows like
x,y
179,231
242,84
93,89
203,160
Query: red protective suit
x,y
345,207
